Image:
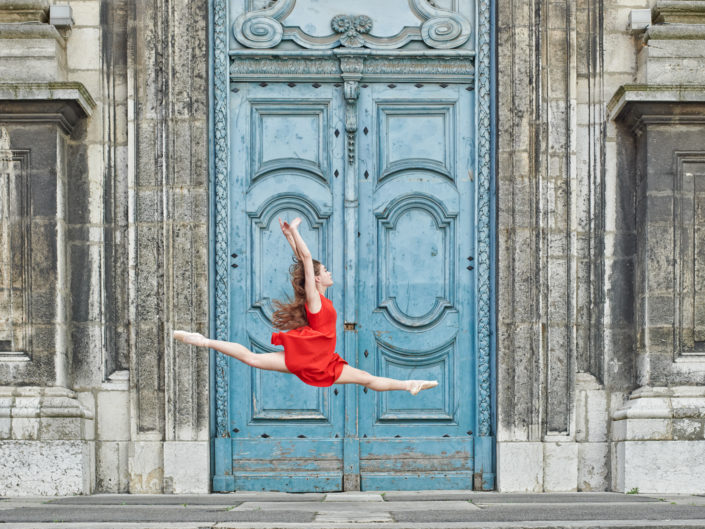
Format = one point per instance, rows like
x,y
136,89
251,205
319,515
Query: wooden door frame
x,y
352,66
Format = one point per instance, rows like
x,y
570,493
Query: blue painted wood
x,y
284,154
416,294
409,194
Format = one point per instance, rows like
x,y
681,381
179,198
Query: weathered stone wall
x,y
566,242
130,257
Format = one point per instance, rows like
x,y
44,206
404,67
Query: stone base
x,y
664,467
187,467
47,468
659,441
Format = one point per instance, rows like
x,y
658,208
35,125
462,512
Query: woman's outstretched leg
x,y
352,375
269,361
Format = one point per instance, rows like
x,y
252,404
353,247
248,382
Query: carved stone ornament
x,y
266,28
352,29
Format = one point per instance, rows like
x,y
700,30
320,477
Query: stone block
x,y
591,415
66,428
187,466
45,468
621,56
25,428
593,467
86,13
112,466
520,467
5,427
87,340
113,415
38,56
87,400
560,467
83,49
688,429
660,467
642,429
145,467
672,62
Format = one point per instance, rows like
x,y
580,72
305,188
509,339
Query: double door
x,y
389,209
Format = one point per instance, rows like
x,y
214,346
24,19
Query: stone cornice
x,y
18,11
31,31
627,96
675,32
679,11
62,102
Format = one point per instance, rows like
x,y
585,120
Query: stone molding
x,y
31,31
64,103
640,104
23,11
679,12
41,401
326,66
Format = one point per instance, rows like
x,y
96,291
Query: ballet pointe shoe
x,y
191,338
417,385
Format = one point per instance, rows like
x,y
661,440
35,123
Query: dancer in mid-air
x,y
308,323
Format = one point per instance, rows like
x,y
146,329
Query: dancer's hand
x,y
295,223
286,229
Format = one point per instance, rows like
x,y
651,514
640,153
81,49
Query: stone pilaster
x,y
565,256
662,131
47,435
168,244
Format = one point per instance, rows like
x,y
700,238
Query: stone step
x,y
332,524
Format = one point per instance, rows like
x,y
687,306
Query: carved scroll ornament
x,y
265,28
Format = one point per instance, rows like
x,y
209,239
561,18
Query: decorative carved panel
x,y
316,24
270,279
415,283
14,251
689,228
289,137
416,137
273,399
436,364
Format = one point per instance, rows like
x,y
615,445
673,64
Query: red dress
x,y
309,351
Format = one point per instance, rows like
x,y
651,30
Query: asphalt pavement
x,y
359,510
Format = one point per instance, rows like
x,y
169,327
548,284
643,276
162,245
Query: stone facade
x,y
105,225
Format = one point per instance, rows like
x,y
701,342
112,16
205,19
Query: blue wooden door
x,y
285,162
412,293
416,284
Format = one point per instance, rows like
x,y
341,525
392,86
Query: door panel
x,y
415,292
285,435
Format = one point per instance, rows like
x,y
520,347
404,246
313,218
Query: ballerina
x,y
308,331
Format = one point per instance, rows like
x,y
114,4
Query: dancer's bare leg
x,y
269,361
352,375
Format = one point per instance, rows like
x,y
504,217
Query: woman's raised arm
x,y
286,230
313,298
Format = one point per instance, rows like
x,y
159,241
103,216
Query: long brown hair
x,y
292,314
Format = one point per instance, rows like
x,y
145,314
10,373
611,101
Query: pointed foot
x,y
417,385
191,338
